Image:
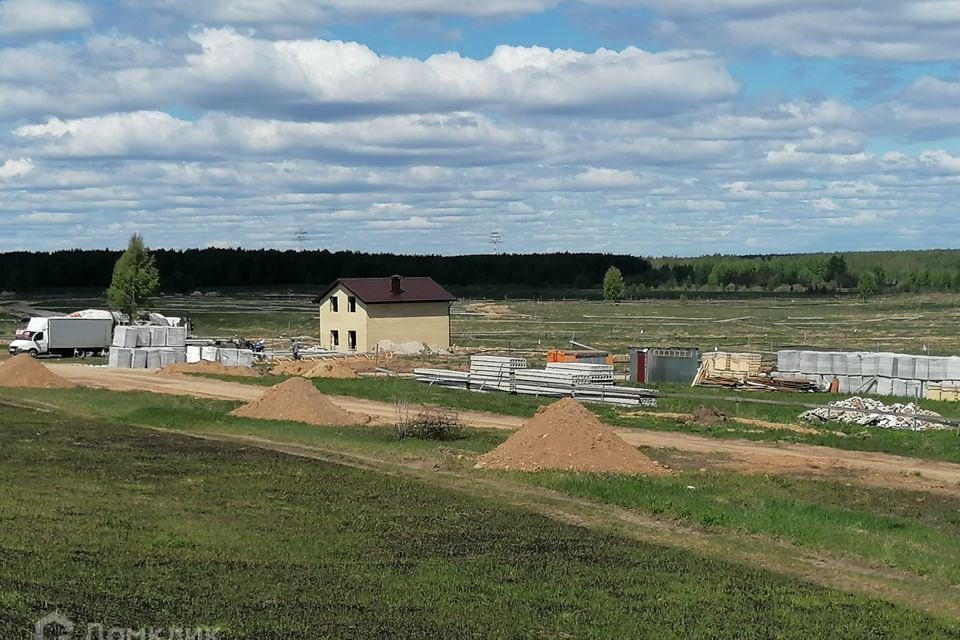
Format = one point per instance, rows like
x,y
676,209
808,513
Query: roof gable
x,y
379,290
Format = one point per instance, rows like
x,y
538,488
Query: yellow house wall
x,y
343,321
427,322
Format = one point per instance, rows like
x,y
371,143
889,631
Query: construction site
x,y
689,447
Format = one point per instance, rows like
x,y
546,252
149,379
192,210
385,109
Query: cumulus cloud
x,y
21,18
13,168
172,123
316,79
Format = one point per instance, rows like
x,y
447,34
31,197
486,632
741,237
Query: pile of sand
x,y
293,367
315,369
331,369
24,371
565,436
707,416
298,400
205,366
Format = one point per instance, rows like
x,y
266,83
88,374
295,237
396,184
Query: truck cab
x,y
31,338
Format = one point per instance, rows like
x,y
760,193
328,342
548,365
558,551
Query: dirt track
x,y
743,455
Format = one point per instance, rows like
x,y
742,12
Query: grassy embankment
x,y
133,528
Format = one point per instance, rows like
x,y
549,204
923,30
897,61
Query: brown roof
x,y
378,290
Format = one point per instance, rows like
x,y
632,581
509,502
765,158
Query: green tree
x,y
867,285
613,285
135,278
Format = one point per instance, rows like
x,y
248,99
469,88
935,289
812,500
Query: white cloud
x,y
22,18
941,160
14,168
311,79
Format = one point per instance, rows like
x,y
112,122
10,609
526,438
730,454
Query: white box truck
x,y
63,335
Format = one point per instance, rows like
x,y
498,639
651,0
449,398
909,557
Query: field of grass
x,y
911,531
894,323
908,531
133,528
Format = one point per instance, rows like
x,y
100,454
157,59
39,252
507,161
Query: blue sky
x,y
655,127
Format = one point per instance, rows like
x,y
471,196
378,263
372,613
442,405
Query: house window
x,y
352,340
333,304
334,338
351,304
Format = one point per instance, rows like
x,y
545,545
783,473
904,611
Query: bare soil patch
x,y
566,436
24,371
706,415
298,400
210,367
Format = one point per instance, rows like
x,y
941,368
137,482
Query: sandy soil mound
x,y
566,436
24,371
210,367
706,415
293,367
331,369
298,400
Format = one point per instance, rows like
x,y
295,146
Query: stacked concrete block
x,y
866,372
147,347
158,336
176,336
120,358
169,356
139,359
193,354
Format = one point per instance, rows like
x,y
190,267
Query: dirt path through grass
x,y
817,567
743,455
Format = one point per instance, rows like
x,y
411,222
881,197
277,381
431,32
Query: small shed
x,y
658,364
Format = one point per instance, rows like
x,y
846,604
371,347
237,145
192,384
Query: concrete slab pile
x,y
149,347
879,373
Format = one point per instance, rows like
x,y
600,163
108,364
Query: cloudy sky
x,y
654,127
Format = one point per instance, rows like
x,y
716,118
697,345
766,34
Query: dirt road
x,y
742,455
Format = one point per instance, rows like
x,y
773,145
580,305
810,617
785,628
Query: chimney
x,y
395,285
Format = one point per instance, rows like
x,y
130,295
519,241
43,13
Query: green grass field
x,y
136,528
907,531
894,323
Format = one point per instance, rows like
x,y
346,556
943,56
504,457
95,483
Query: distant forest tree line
x,y
187,270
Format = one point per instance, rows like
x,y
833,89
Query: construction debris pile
x,y
742,371
873,413
883,374
587,382
147,347
566,436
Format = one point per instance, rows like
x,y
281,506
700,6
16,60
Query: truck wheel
x,y
33,353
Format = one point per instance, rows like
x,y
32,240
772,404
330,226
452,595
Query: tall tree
x,y
613,285
867,285
135,278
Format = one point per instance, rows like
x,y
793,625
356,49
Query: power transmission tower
x,y
495,240
302,237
